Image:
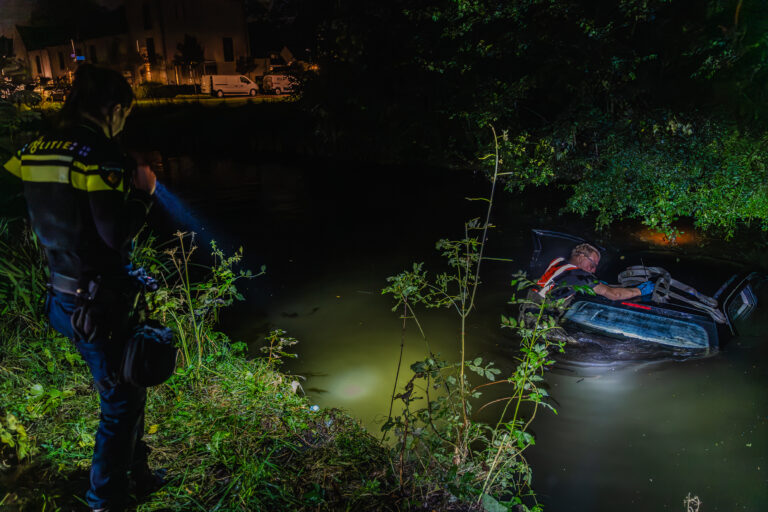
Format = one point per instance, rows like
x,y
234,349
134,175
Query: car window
x,y
618,322
244,80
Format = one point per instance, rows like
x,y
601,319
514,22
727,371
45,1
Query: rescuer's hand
x,y
646,288
145,179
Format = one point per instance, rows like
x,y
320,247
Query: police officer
x,y
86,201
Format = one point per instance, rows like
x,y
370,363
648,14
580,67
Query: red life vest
x,y
554,270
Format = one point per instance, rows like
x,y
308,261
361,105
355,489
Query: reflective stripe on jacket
x,y
555,269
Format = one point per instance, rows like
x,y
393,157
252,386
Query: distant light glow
x,y
656,238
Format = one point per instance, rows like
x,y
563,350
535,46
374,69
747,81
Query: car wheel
x,y
278,91
252,93
219,94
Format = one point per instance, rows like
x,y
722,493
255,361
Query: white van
x,y
225,85
278,84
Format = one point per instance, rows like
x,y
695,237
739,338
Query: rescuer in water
x,y
558,280
86,201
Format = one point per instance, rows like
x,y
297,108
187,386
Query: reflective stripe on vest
x,y
62,169
554,270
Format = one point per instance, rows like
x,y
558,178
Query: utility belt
x,y
64,284
115,309
125,287
103,308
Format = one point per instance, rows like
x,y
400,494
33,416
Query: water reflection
x,y
632,436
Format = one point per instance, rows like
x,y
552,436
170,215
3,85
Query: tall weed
x,y
440,446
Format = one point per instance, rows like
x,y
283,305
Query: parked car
x,y
278,84
676,318
228,85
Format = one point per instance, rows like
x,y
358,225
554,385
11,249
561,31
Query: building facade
x,y
167,41
160,28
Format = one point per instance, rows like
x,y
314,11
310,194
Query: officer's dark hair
x,y
95,91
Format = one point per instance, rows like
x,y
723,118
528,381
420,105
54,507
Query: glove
x,y
646,288
144,279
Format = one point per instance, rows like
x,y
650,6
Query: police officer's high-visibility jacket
x,y
77,185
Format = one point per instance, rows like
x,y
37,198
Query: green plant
x,y
23,276
188,304
14,435
440,446
277,342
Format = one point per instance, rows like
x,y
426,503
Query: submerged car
x,y
676,319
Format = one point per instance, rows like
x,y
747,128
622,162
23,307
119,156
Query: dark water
x,y
629,436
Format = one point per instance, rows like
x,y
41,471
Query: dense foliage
x,y
644,108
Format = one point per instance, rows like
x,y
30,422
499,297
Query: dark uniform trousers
x,y
119,447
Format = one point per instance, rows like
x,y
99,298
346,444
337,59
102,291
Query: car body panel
x,y
676,327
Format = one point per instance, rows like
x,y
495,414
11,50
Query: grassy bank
x,y
233,433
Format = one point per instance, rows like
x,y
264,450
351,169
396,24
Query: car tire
x,y
278,91
252,92
219,93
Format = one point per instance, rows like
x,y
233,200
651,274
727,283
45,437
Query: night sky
x,y
14,12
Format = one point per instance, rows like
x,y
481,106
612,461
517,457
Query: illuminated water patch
x,y
356,384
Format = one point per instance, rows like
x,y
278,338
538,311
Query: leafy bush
x,y
656,170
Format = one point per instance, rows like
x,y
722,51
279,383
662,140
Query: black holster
x,y
103,310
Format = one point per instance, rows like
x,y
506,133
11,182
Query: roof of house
x,y
36,38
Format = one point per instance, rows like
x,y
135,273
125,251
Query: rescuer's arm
x,y
118,216
616,293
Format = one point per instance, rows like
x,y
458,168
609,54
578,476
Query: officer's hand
x,y
646,288
145,179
